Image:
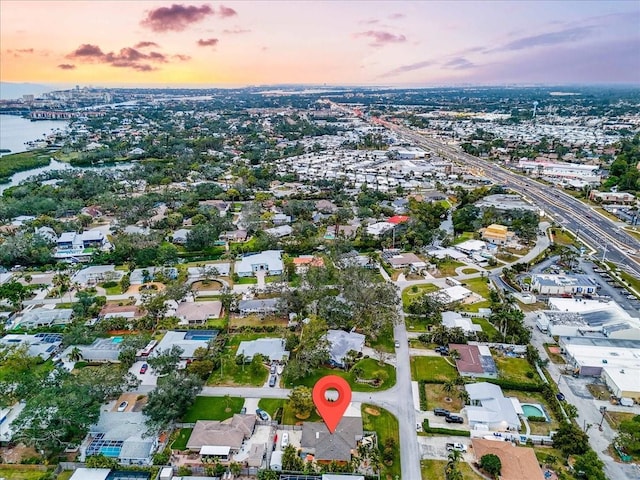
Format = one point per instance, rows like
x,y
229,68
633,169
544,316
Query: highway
x,y
594,229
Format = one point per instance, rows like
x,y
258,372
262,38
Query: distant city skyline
x,y
351,42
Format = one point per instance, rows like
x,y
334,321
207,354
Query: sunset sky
x,y
335,42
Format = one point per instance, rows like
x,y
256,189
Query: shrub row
x,y
511,385
423,395
444,431
537,419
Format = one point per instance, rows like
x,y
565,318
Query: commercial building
x,y
497,234
623,382
546,284
612,197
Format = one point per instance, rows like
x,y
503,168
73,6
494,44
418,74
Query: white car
x,y
123,406
285,440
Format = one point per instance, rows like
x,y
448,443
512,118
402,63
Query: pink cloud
x,y
209,42
126,58
66,66
236,31
226,12
146,44
176,17
381,38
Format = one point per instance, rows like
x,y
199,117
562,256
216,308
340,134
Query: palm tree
x,y
448,387
75,355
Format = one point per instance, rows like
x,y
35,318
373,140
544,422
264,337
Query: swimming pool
x,y
533,410
116,339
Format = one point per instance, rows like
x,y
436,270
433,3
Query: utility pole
x,y
604,253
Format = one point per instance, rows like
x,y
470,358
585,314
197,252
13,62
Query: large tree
x,y
166,361
491,464
301,401
172,398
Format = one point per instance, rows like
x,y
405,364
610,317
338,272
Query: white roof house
x,y
279,232
453,294
455,319
41,344
489,407
83,473
43,317
97,274
377,229
188,341
271,348
340,342
269,261
470,246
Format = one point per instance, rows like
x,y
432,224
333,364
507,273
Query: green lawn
x,y
231,373
515,369
180,443
246,281
475,307
434,470
65,475
386,426
478,285
289,416
20,472
271,405
463,237
115,290
384,340
417,323
432,369
213,408
410,294
488,328
370,370
447,268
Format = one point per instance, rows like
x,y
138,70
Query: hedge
x,y
443,431
511,385
423,395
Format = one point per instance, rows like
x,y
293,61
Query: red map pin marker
x,y
332,411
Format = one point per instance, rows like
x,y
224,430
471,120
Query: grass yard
x,y
447,268
478,285
410,294
246,281
488,328
271,405
634,282
537,428
289,416
475,307
470,270
213,408
384,341
515,369
417,323
562,237
180,443
463,237
115,290
615,418
436,398
550,457
370,370
434,470
386,426
432,369
255,320
21,472
65,475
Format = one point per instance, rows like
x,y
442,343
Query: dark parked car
x,y
272,381
441,412
454,419
262,414
143,368
560,396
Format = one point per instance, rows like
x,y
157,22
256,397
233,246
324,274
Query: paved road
x,y
596,230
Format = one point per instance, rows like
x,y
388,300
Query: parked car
x,y
285,440
397,344
454,419
272,381
262,414
441,412
456,446
144,368
560,396
273,368
123,406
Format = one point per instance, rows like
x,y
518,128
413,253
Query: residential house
x,y
456,320
123,436
43,317
197,313
341,342
517,463
338,446
43,345
97,274
262,306
101,350
471,246
272,349
303,262
326,206
279,232
281,219
111,310
189,341
269,261
151,274
341,231
179,237
47,233
489,409
404,260
86,239
497,234
221,440
380,228
234,236
220,205
475,361
457,293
